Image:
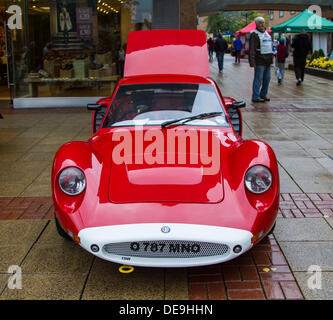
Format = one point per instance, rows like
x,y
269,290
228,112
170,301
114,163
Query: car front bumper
x,y
165,244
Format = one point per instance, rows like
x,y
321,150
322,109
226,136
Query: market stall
x,y
319,28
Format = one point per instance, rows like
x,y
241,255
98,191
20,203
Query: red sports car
x,y
166,179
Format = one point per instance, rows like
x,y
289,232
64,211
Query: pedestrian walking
x,y
221,46
280,60
211,45
121,60
238,46
301,46
260,58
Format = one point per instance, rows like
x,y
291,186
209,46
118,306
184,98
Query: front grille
x,y
167,249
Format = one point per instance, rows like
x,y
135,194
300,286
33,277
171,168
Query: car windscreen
x,y
153,104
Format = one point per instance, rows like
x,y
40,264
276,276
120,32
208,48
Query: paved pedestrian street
x,y
297,123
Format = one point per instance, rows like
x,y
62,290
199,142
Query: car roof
x,y
165,52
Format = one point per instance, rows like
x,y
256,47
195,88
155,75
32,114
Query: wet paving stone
x,y
303,254
47,287
105,282
261,273
316,289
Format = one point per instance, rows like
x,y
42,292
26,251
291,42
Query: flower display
x,y
320,63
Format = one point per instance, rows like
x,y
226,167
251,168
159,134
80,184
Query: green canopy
x,y
306,20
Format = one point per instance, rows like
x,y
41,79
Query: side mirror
x,y
98,115
238,104
94,106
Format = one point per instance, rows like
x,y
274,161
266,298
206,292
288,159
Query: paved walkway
x,y
297,123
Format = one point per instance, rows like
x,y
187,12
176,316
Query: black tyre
x,y
271,231
61,231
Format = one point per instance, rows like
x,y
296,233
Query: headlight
x,y
72,181
258,179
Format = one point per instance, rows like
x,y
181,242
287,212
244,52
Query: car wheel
x,y
271,231
61,231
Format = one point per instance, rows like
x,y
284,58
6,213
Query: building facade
x,y
278,16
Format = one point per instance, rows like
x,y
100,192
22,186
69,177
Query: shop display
x,y
80,68
70,41
66,73
105,58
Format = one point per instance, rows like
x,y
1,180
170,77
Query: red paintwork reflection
x,y
186,171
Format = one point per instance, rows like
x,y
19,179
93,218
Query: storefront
x,y
68,52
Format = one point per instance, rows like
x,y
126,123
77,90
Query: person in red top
x,y
211,45
281,56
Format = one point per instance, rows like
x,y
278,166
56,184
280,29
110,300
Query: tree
x,y
231,21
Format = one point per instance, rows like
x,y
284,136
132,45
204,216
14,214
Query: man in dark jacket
x,y
221,46
260,58
301,46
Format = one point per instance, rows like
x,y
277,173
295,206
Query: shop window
x,y
74,48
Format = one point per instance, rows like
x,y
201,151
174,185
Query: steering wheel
x,y
137,110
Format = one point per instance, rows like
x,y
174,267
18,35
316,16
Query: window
x,y
153,104
292,12
281,14
271,15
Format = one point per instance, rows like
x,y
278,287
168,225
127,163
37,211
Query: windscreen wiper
x,y
187,119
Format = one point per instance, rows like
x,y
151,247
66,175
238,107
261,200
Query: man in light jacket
x,y
260,58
